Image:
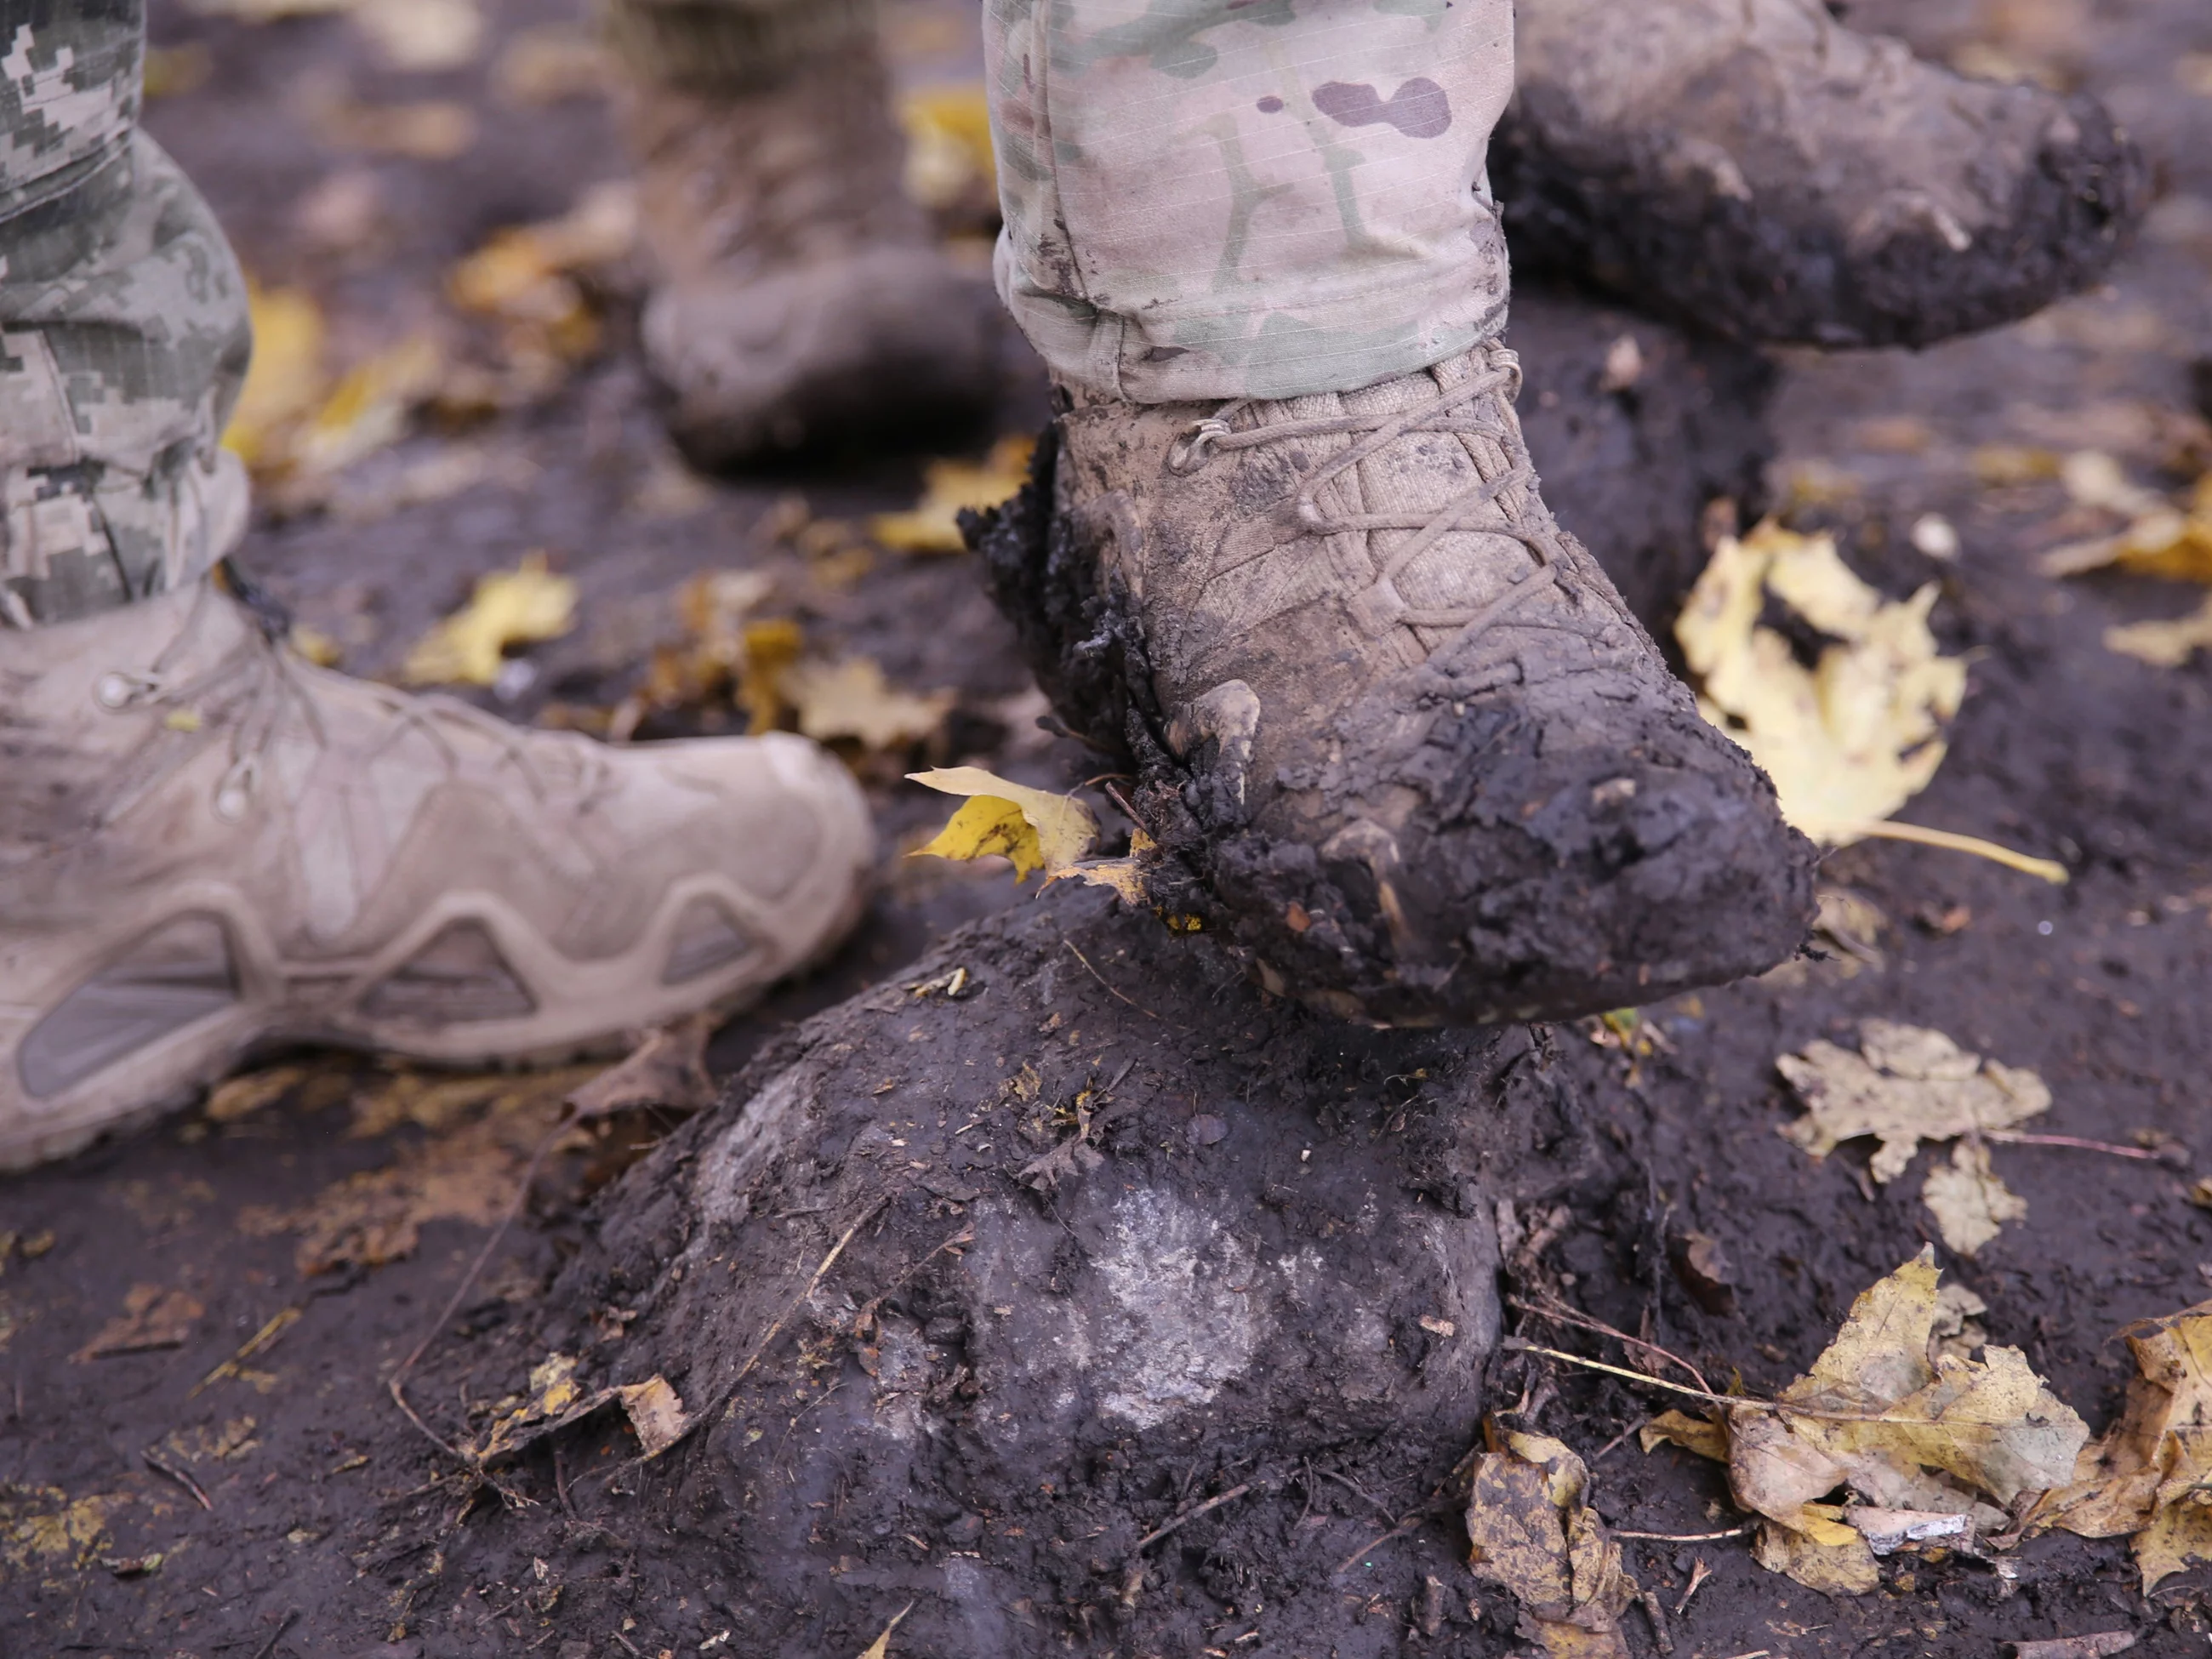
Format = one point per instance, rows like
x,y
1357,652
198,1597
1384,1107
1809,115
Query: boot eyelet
x,y
114,691
231,802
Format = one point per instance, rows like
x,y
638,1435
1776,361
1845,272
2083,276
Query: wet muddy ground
x,y
198,1453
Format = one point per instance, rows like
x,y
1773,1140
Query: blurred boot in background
x,y
207,844
1753,169
800,297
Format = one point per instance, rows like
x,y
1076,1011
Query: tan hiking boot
x,y
1396,720
1755,169
801,299
206,845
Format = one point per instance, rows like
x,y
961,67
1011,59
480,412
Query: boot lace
x,y
255,691
1488,507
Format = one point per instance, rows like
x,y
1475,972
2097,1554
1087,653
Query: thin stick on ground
x,y
1698,1573
1732,1401
1553,1310
154,1461
1191,1514
1395,1532
2021,1138
397,1386
1111,992
1688,1537
1889,829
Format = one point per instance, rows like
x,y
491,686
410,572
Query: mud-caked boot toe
x,y
1421,761
1753,168
801,300
207,846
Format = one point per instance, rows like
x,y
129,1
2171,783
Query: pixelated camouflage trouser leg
x,y
1269,198
123,332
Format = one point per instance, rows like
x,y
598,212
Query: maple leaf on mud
x,y
2147,1478
1929,1447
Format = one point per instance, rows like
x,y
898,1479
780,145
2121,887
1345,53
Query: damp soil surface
x,y
913,1275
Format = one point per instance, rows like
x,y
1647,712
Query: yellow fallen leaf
x,y
1034,828
1907,1085
881,1647
2147,1476
767,651
948,146
1970,1203
933,525
2160,540
1850,740
2164,644
513,607
370,407
285,380
1535,1536
1906,1432
851,699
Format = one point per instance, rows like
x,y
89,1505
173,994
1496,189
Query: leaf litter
x,y
1535,1536
1928,1445
1853,738
1907,1085
523,606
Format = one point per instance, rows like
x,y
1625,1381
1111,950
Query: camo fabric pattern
x,y
1227,198
123,332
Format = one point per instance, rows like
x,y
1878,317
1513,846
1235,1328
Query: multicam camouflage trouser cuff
x,y
123,332
1231,198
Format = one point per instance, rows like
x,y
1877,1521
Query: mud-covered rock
x,y
976,1284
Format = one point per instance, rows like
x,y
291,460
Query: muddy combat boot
x,y
1752,168
800,298
206,845
1398,721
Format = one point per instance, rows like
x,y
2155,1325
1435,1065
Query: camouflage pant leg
x,y
1225,198
123,334
709,46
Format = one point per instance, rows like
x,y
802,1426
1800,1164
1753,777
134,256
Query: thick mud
x,y
279,1300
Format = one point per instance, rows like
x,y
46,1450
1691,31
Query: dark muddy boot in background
x,y
1396,720
1753,168
799,298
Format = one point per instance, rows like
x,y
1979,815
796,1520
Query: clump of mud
x,y
1073,1289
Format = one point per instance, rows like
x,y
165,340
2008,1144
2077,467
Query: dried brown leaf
x,y
1535,1536
153,1316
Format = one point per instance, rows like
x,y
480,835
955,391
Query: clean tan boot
x,y
1427,768
206,845
801,299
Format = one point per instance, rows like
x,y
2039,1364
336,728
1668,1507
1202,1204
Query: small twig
x,y
1688,1537
156,1461
1889,829
1614,1443
1698,1573
262,1339
397,1386
2019,1138
290,1619
1549,1309
1191,1514
1357,1491
1732,1401
1110,991
1395,1532
1657,1615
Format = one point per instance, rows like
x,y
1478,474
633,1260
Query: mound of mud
x,y
1071,1289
